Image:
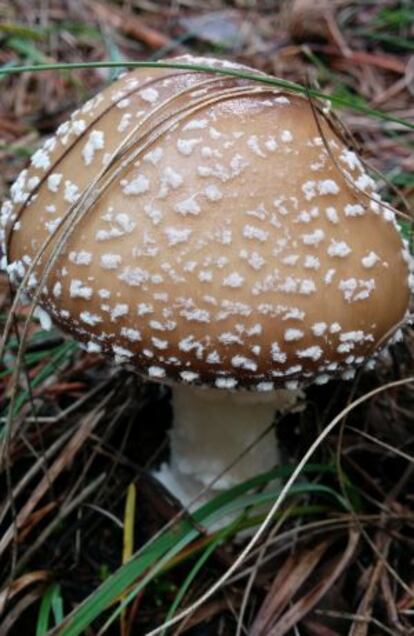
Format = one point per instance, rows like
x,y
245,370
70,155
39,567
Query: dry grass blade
x,y
21,606
366,605
40,464
300,533
63,460
16,586
63,512
390,603
356,618
387,447
303,606
343,133
202,615
315,628
290,578
389,502
261,556
276,506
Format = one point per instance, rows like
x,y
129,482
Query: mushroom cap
x,y
225,234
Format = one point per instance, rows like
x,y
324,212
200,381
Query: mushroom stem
x,y
211,433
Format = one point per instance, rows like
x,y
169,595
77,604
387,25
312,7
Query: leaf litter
x,y
83,434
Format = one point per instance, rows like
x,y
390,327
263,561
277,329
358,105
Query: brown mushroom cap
x,y
232,245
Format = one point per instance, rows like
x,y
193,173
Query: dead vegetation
x,y
338,557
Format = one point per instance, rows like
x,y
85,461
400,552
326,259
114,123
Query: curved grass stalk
x,y
276,506
285,84
99,185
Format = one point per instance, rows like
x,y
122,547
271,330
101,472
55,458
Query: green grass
x,y
159,554
54,357
23,152
27,49
387,38
51,610
270,81
395,18
391,26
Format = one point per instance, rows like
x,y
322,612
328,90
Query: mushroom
x,y
219,235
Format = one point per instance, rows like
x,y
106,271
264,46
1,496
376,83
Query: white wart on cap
x,y
237,249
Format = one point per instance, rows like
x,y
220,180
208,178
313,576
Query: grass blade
x,y
51,605
271,81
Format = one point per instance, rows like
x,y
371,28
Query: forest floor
x,y
78,504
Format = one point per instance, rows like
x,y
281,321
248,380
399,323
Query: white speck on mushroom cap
x,y
218,243
95,141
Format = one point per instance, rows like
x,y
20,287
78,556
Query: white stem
x,y
211,430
